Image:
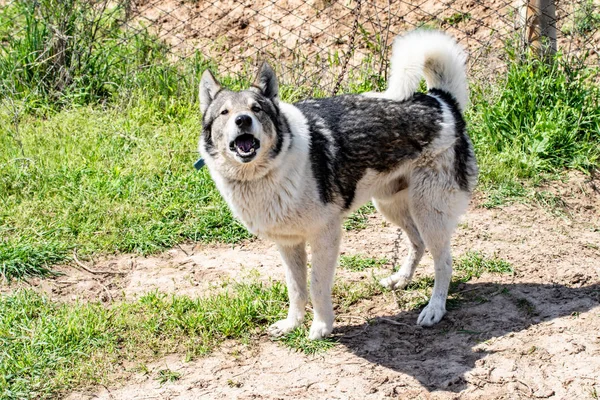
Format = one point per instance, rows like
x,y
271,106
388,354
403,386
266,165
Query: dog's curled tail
x,y
432,55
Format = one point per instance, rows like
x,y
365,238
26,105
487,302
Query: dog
x,y
291,173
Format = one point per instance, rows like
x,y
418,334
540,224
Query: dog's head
x,y
242,132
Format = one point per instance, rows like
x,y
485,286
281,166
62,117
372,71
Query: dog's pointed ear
x,y
266,81
209,87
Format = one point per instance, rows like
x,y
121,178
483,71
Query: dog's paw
x,y
320,330
395,282
283,327
432,314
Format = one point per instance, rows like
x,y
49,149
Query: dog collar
x,y
199,164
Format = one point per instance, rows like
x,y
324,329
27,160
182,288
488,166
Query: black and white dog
x,y
292,172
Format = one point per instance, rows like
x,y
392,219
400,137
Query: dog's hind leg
x,y
395,209
325,249
294,259
435,207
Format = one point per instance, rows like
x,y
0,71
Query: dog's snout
x,y
243,121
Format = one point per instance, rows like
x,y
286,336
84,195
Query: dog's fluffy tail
x,y
432,55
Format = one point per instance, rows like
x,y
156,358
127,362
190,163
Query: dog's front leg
x,y
294,260
325,247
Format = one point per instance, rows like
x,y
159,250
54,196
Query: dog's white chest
x,y
266,208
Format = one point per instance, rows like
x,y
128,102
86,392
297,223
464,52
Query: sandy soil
x,y
535,334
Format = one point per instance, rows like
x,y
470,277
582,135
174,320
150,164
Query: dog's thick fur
x,y
292,173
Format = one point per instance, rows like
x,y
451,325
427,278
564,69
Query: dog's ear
x,y
209,87
266,81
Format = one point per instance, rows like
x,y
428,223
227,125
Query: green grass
x,y
298,340
359,262
48,347
104,181
474,264
347,293
537,121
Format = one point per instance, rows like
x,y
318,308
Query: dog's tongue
x,y
244,143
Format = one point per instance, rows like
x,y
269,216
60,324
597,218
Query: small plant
x,y
457,18
167,375
234,384
526,306
551,202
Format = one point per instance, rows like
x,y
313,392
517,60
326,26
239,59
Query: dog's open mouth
x,y
245,146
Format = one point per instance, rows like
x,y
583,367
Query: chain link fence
x,y
311,43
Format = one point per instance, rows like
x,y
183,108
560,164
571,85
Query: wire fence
x,y
311,43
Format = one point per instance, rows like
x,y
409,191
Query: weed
x,y
587,19
232,383
594,393
504,193
551,202
457,18
526,306
166,375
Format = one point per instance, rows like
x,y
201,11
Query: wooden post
x,y
537,19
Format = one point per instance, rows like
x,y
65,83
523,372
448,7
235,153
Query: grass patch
x,y
299,341
47,348
551,202
357,221
346,294
358,262
103,181
474,264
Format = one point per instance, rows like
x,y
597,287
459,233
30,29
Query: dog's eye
x,y
256,109
224,112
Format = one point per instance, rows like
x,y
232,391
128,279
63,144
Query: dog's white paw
x,y
320,330
432,314
283,327
395,282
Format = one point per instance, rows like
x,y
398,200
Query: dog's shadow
x,y
438,357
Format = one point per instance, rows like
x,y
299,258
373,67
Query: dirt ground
x,y
536,335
